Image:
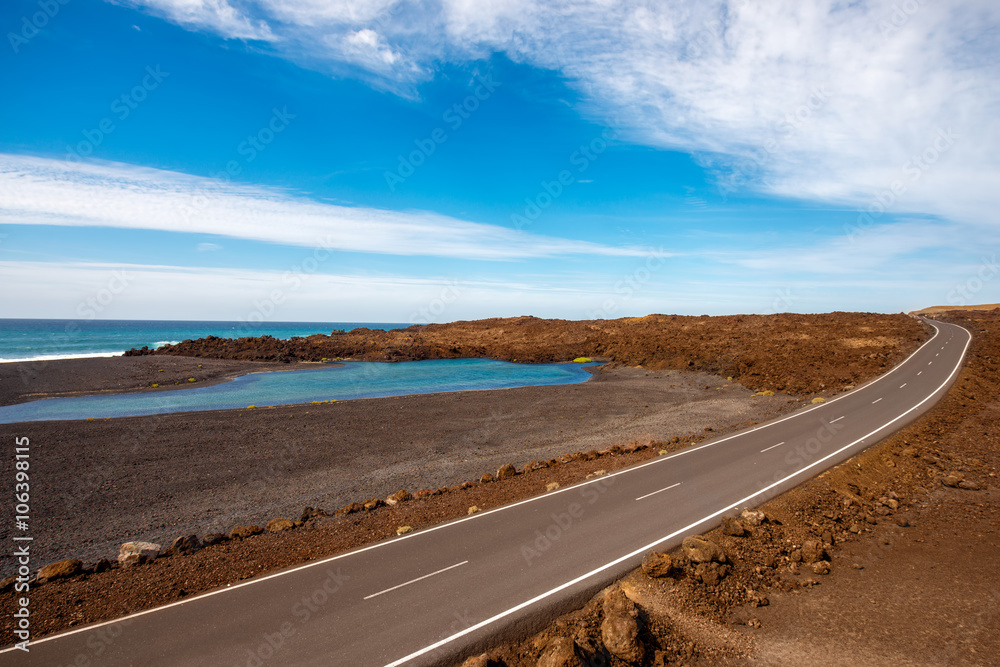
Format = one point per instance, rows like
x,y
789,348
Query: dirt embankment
x,y
886,559
785,352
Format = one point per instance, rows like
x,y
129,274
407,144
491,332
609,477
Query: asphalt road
x,y
437,595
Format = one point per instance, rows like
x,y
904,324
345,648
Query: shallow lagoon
x,y
355,379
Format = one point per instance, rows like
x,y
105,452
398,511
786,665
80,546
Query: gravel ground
x,y
98,484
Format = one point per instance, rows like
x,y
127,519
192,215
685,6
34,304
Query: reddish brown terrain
x,y
922,542
785,352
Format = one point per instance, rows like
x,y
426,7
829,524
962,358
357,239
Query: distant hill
x,y
942,309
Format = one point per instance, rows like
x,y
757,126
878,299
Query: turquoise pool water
x,y
359,379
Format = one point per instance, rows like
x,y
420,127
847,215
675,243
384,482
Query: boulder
x,y
657,564
213,538
731,526
752,518
373,503
102,565
616,602
477,661
147,550
813,551
132,560
185,544
620,629
242,532
350,509
60,570
559,652
552,486
699,550
506,471
953,479
486,478
400,496
279,525
311,513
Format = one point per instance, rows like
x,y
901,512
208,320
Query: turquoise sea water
x,y
35,340
360,379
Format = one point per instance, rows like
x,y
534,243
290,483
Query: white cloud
x,y
216,15
129,291
39,191
820,99
869,251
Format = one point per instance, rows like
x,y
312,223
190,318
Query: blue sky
x,y
397,160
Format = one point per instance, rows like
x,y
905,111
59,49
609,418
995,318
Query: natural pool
x,y
354,379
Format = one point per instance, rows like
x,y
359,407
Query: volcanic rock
x,y
731,526
506,471
699,550
657,564
147,550
241,532
559,652
60,570
279,525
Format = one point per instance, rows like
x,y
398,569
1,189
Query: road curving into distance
x,y
437,595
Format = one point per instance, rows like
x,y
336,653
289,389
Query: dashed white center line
x,y
773,446
876,401
413,581
655,492
920,373
938,354
837,419
929,363
903,385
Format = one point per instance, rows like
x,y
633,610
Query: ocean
x,y
38,340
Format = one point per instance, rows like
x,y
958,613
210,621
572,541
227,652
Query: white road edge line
x,y
692,526
655,492
773,446
413,581
876,401
480,515
837,419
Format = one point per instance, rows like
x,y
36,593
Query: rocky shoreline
x,y
785,352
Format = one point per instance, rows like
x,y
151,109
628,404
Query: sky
x,y
438,160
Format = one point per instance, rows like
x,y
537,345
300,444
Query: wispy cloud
x,y
881,248
820,99
109,291
217,15
38,191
